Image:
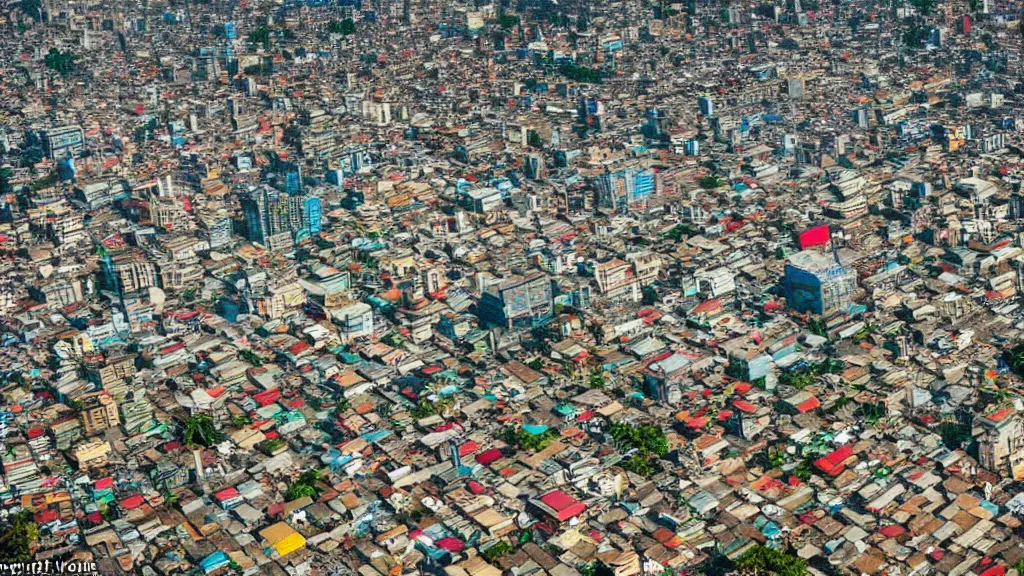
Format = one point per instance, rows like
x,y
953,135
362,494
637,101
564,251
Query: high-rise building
x,y
62,142
817,282
266,213
625,189
533,165
706,106
218,228
129,271
522,302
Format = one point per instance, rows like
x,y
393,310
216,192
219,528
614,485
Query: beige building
x,y
99,413
91,455
114,372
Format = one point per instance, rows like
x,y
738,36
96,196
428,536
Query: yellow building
x,y
283,538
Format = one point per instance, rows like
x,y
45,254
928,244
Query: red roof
x,y
744,406
268,397
47,515
451,544
742,387
489,456
468,448
226,494
892,531
132,502
709,306
832,463
564,505
299,347
696,423
475,487
994,571
808,405
103,483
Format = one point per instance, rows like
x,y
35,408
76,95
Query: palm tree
x,y
199,430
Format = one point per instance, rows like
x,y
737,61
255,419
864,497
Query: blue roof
x,y
214,561
535,429
376,435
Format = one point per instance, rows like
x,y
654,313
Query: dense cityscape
x,y
512,288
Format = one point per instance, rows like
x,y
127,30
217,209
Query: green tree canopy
x,y
260,36
762,560
18,536
344,27
710,182
61,61
924,7
200,431
306,485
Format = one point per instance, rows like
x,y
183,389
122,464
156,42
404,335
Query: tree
x,y
650,296
200,431
597,379
18,537
640,465
344,27
1014,358
270,445
955,435
762,560
250,357
5,180
646,439
31,8
507,21
872,413
709,182
342,405
61,61
423,409
989,41
581,74
260,36
817,326
306,485
498,550
913,36
529,441
924,7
